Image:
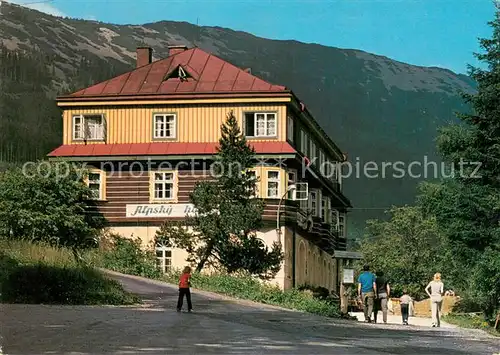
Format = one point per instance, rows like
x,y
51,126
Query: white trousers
x,y
436,310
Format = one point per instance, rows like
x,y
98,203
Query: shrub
x,y
126,255
473,321
318,292
467,304
37,273
49,202
247,287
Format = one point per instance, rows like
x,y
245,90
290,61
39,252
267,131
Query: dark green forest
x,y
30,121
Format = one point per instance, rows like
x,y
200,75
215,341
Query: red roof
x,y
161,148
209,74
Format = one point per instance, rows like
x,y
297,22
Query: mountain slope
x,y
375,108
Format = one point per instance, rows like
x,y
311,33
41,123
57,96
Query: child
x,y
184,284
405,306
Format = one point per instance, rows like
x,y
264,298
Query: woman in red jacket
x,y
184,284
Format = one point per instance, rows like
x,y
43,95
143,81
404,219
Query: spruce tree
x,y
224,229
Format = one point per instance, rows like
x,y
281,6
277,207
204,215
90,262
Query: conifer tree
x,y
467,207
224,229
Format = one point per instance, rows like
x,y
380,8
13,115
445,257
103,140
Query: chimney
x,y
172,50
144,56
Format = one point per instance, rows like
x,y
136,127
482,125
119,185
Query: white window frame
x,y
257,182
161,134
164,182
164,262
100,133
322,167
329,211
313,150
307,143
313,202
334,219
273,180
100,182
267,116
324,209
291,179
289,128
342,225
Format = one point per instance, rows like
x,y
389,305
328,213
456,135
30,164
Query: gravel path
x,y
218,325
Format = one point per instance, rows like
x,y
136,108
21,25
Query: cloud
x,y
40,6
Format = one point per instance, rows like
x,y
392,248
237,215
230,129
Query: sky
x,y
441,33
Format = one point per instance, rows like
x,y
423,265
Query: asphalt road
x,y
218,325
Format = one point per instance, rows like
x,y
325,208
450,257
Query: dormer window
x,y
89,127
179,73
260,124
164,126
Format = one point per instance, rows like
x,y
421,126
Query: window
x,y
163,186
341,225
289,128
88,127
292,179
260,124
322,167
329,211
96,185
273,184
305,143
334,219
164,126
324,208
179,73
331,171
312,152
164,258
253,175
313,202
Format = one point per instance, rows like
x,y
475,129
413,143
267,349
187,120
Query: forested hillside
x,y
375,108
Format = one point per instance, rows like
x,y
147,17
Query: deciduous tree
x,y
49,202
408,248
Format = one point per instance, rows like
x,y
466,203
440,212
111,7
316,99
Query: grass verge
x,y
470,321
248,288
40,274
125,255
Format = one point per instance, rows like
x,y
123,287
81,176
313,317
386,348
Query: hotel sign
x,y
157,210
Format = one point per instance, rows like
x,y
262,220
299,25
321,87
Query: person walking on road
x,y
367,291
184,289
383,293
405,301
435,291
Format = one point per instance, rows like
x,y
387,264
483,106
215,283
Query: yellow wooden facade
x,y
198,122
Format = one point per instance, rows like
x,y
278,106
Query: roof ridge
x,y
239,68
211,67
